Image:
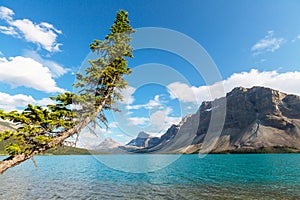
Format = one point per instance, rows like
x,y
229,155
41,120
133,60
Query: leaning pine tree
x,y
38,129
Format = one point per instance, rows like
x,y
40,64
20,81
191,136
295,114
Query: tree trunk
x,y
17,159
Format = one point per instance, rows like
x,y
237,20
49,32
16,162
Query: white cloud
x,y
138,120
158,118
43,34
287,82
161,121
8,31
158,121
38,33
6,13
21,71
296,38
44,101
153,103
263,60
56,69
113,125
14,102
156,102
268,44
50,26
186,93
127,94
1,54
87,139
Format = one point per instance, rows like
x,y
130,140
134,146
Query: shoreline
x,y
80,151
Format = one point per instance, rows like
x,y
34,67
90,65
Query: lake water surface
x,y
253,176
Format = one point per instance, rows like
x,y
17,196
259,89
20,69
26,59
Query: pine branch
x,y
17,159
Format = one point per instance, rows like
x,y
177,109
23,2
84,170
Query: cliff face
x,y
255,118
262,105
144,140
260,117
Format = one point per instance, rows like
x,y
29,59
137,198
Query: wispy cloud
x,y
127,94
186,93
153,103
6,13
137,121
55,68
113,125
161,120
14,102
267,44
42,34
9,31
296,38
287,82
22,71
158,121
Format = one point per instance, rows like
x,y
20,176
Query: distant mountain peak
x,y
108,143
256,117
143,139
143,134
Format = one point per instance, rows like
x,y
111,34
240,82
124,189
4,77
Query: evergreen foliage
x,y
37,126
41,128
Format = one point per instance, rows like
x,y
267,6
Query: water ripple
x,y
213,177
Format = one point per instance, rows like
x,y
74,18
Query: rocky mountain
x,y
144,140
4,125
254,119
108,143
109,146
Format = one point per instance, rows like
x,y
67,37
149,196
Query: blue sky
x,y
43,43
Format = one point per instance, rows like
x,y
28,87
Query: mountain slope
x,y
108,143
260,117
256,118
143,140
109,146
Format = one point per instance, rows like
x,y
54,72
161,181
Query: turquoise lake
x,y
251,176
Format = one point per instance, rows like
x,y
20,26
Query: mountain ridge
x,y
108,145
256,118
